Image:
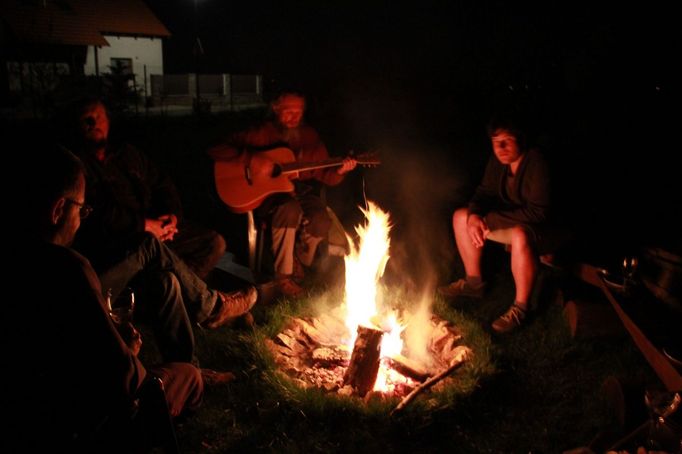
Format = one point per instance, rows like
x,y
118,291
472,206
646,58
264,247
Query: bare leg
x,y
523,264
471,255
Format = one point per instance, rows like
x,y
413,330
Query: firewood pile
x,y
311,352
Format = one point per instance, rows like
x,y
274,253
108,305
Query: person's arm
x,y
165,198
165,208
115,364
487,192
236,145
314,150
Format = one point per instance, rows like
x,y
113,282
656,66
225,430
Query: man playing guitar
x,y
288,211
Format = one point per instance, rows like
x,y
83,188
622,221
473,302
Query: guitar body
x,y
244,185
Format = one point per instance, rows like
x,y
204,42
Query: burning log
x,y
408,367
364,362
463,354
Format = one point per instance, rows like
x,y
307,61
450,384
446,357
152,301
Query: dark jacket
x,y
124,189
72,373
527,203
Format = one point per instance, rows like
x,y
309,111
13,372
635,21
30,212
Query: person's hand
x,y
131,336
477,229
169,223
348,165
164,227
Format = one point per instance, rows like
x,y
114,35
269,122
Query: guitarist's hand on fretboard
x,y
347,165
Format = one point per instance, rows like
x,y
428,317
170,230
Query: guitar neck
x,y
304,166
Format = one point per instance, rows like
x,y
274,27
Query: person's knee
x,y
288,215
521,238
319,224
171,282
150,245
218,245
459,217
167,288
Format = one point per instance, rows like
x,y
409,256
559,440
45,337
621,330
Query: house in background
x,y
41,41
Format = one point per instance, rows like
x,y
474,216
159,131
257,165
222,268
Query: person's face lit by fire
x,y
69,211
505,146
94,123
289,110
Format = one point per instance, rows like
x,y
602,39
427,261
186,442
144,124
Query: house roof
x,y
79,22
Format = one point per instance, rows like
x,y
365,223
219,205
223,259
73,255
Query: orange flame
x,y
365,266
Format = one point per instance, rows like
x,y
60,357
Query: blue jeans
x,y
171,297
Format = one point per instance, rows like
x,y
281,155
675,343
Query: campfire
x,y
370,342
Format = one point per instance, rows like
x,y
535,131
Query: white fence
x,y
213,91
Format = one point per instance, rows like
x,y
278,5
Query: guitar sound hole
x,y
276,170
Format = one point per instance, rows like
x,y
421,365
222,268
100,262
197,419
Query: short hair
x,y
512,123
55,174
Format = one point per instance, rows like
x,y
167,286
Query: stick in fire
x,y
462,354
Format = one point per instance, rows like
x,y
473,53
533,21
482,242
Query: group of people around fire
x,y
102,216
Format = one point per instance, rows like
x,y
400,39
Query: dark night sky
x,y
428,55
598,80
483,42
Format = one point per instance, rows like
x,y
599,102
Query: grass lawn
x,y
534,390
537,390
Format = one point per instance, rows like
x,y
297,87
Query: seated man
x,y
510,206
75,380
301,212
132,195
133,238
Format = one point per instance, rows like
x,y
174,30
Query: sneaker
x,y
213,377
231,305
510,319
289,288
461,288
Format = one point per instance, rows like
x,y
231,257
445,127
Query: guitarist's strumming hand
x,y
348,165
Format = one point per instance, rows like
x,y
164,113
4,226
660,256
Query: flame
x,y
365,265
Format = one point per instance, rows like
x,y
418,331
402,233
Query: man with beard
x,y
132,236
132,195
299,212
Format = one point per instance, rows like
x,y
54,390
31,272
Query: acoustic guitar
x,y
243,183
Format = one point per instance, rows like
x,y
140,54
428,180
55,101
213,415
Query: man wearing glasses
x,y
76,381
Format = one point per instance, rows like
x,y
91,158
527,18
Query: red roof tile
x,y
79,22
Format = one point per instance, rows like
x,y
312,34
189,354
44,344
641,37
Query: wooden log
x,y
364,362
408,367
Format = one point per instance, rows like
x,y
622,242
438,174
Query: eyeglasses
x,y
84,210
